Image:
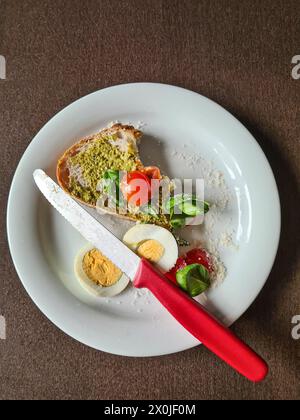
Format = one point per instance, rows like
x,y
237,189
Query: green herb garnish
x,y
111,186
111,174
178,221
194,279
183,206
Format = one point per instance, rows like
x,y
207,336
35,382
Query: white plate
x,y
43,245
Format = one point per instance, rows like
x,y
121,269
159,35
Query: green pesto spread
x,y
94,160
159,219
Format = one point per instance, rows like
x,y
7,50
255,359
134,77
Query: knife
x,y
187,311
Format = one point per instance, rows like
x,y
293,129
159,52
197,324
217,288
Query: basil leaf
x,y
188,204
112,186
193,207
176,200
111,174
181,206
194,279
198,280
190,209
195,287
206,207
178,221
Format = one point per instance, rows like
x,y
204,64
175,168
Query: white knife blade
x,y
90,228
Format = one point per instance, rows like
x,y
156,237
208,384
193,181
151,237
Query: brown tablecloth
x,y
236,52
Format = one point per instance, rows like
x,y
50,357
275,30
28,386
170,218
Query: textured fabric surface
x,y
236,52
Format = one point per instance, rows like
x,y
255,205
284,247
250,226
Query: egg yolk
x,y
100,269
151,250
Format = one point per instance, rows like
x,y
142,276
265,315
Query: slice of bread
x,y
83,165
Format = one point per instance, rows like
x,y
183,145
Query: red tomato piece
x,y
195,256
153,172
136,188
199,256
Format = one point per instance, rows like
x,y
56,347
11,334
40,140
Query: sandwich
x,y
105,171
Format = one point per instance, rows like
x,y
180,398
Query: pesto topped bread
x,y
87,162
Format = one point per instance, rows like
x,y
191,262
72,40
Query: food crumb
x,y
140,125
226,241
112,123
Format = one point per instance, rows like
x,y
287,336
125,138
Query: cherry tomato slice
x,y
194,256
199,256
136,188
152,172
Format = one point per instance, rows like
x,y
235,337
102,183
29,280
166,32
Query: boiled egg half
x,y
97,274
154,243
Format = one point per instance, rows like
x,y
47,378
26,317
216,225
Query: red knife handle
x,y
195,319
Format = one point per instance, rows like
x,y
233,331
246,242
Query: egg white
x,y
89,285
143,232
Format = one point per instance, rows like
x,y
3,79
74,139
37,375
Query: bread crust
x,y
62,171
